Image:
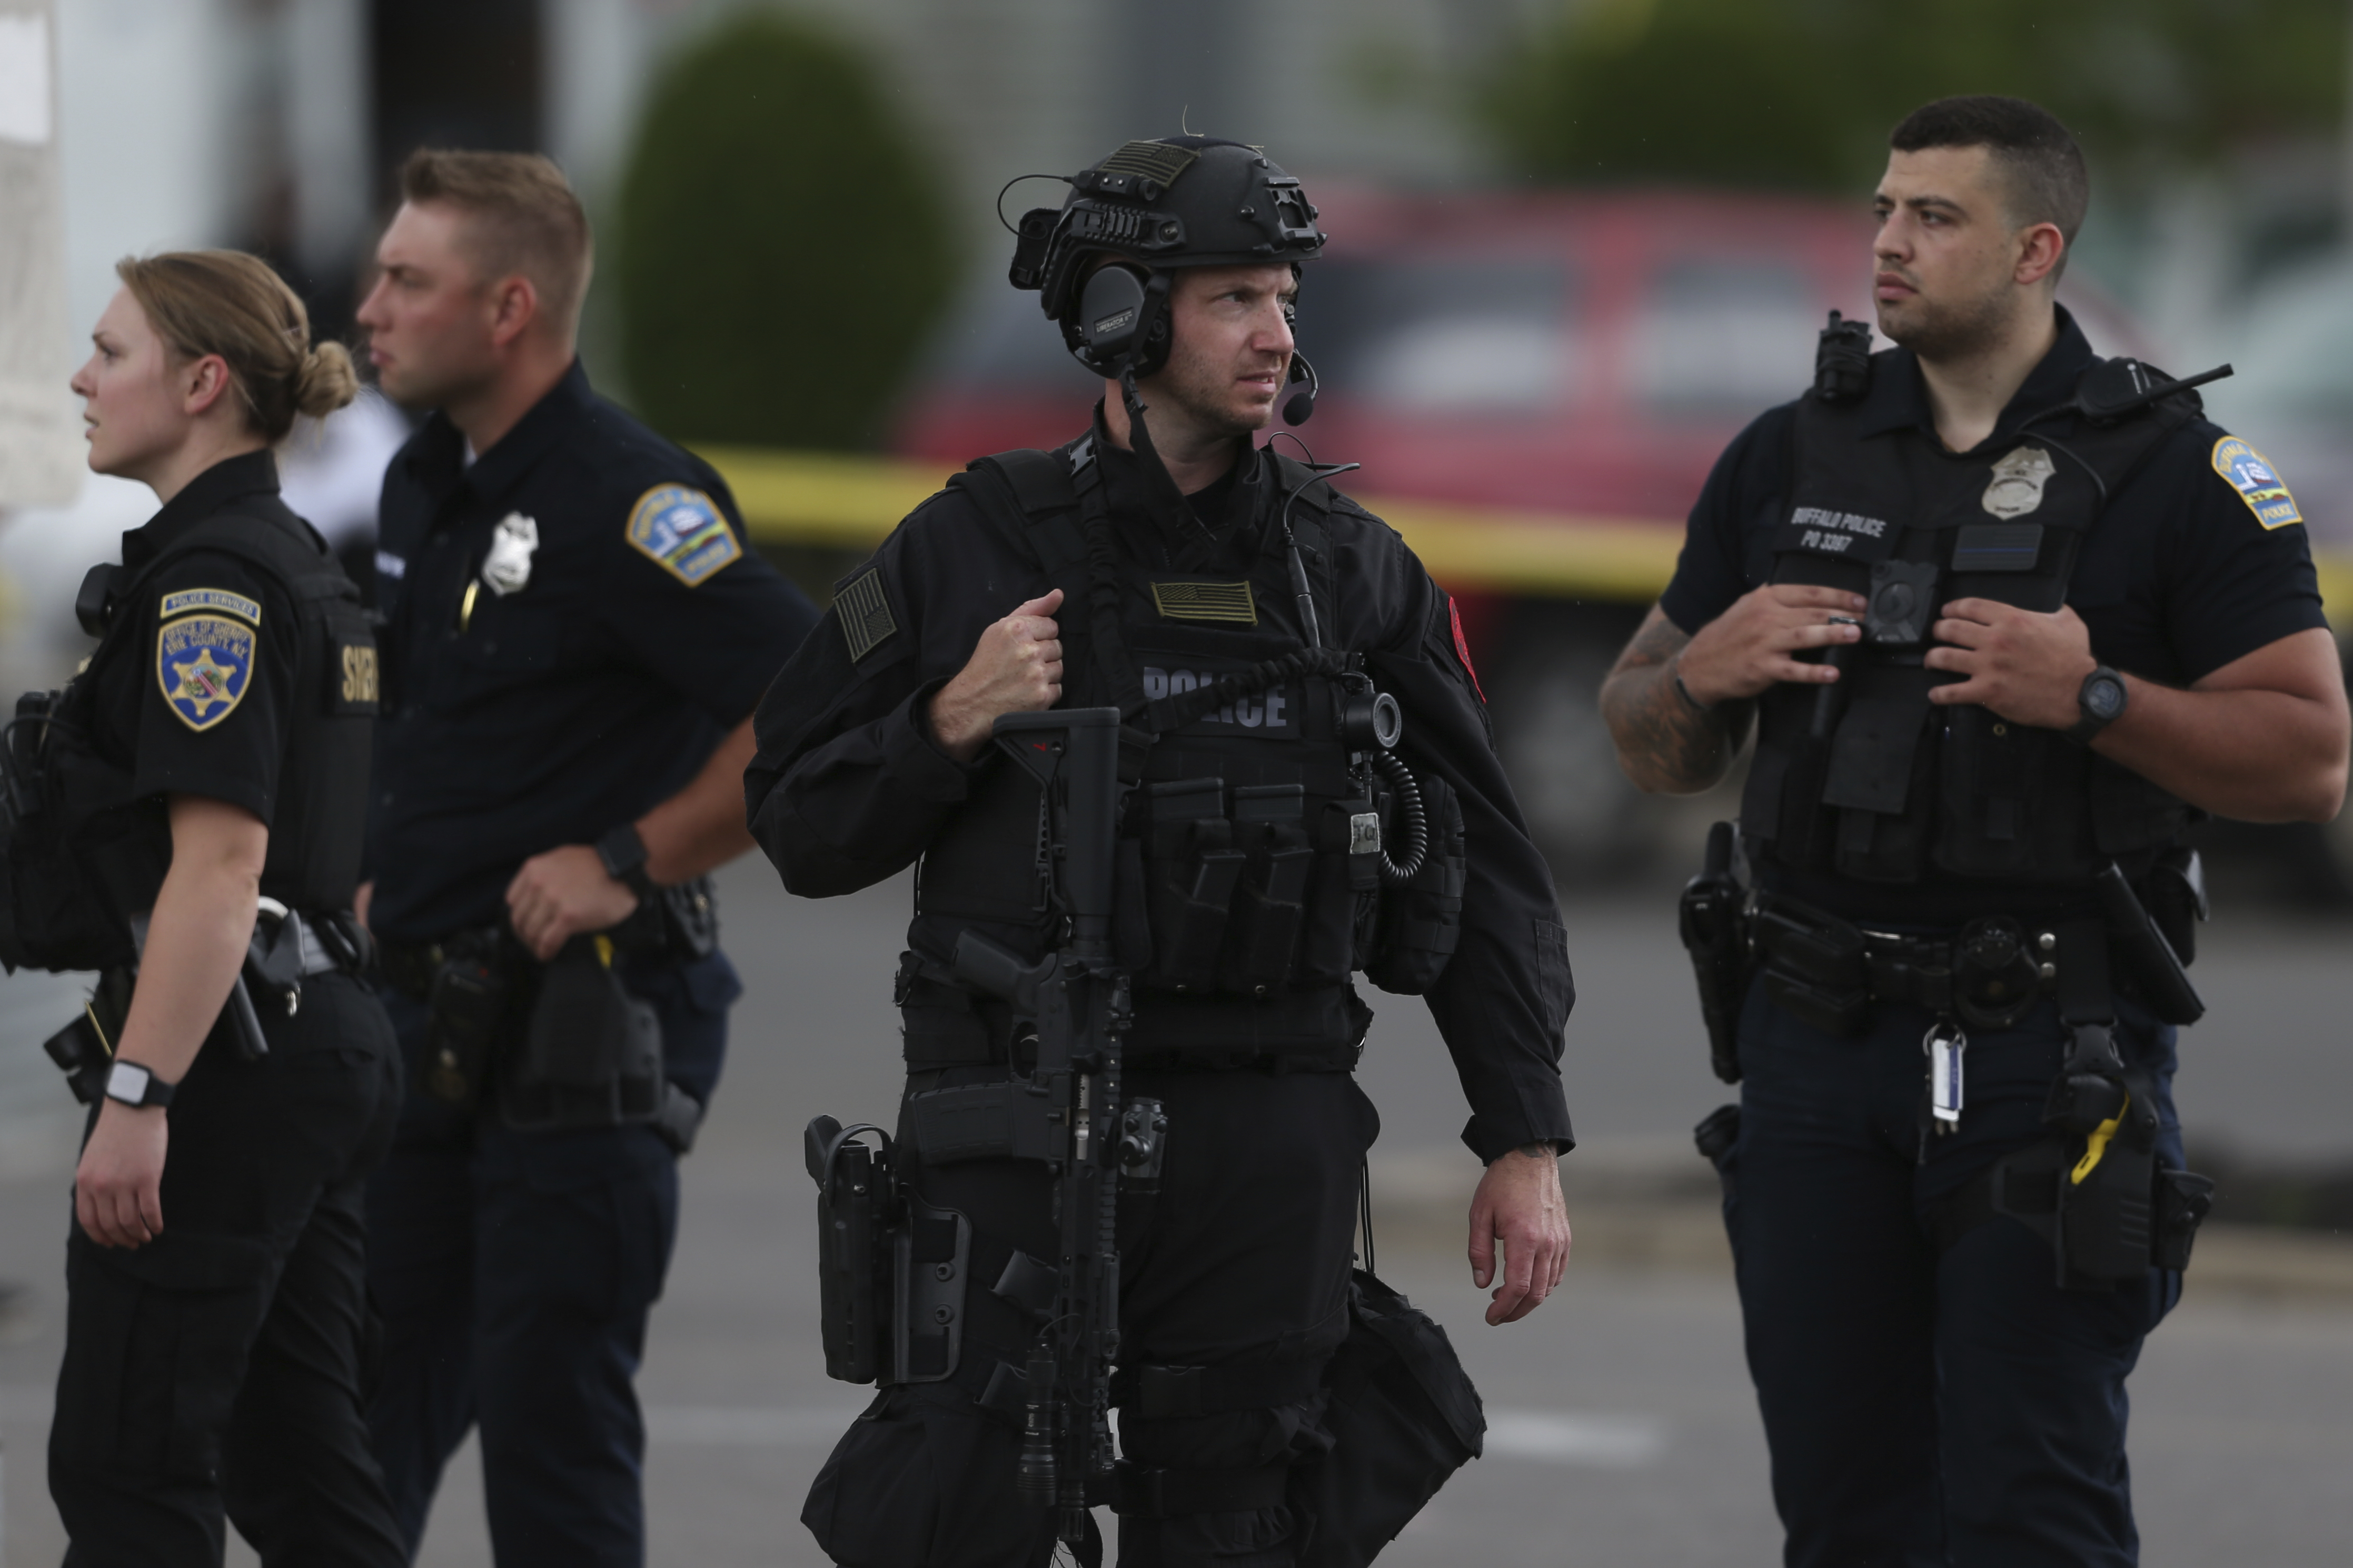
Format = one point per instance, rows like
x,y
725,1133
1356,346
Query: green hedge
x,y
783,245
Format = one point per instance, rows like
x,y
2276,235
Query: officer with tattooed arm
x,y
574,637
1305,786
2006,618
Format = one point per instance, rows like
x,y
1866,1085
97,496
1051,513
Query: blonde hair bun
x,y
225,302
326,382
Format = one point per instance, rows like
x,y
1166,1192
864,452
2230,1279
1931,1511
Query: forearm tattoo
x,y
1665,742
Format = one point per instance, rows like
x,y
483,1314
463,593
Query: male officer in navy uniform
x,y
1154,553
2007,618
574,638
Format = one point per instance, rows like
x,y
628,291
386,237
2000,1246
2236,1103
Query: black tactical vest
x,y
1242,909
84,855
1865,778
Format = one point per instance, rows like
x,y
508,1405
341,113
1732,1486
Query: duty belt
x,y
410,967
1827,971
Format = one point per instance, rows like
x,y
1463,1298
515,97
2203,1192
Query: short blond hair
x,y
524,219
227,303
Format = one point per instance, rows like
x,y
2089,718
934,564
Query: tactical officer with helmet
x,y
1306,786
2006,618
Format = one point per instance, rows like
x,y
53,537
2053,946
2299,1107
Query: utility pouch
x,y
1269,826
1813,965
1192,870
53,914
2151,967
592,1053
469,1010
857,1198
1403,1415
1714,920
2183,1201
1421,919
2175,896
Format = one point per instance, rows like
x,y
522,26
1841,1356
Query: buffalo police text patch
x,y
680,527
203,663
191,599
2250,475
1196,599
864,611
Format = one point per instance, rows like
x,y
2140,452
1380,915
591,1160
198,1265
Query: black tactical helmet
x,y
1182,201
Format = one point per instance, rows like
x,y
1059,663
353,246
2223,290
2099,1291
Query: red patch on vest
x,y
1463,648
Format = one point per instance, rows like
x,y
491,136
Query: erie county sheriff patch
x,y
203,663
681,528
2251,474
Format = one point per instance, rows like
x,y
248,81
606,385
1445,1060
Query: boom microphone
x,y
1300,406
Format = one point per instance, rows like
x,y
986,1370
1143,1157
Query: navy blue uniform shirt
x,y
2179,577
204,708
2182,574
636,628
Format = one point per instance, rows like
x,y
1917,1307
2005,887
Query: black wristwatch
x,y
624,857
2101,701
135,1086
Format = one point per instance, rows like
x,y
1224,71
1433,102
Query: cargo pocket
x,y
156,1344
1421,920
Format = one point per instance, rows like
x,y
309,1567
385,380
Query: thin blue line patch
x,y
679,529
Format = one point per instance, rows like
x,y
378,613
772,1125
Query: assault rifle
x,y
1071,1109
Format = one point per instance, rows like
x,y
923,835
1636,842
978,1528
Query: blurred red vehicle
x,y
1578,358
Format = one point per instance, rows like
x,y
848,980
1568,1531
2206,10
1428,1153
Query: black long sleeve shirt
x,y
849,787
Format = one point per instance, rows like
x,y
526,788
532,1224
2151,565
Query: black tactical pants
x,y
1242,1257
215,1371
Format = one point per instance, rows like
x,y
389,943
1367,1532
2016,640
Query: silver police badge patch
x,y
203,664
507,567
2017,482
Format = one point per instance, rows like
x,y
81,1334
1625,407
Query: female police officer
x,y
208,770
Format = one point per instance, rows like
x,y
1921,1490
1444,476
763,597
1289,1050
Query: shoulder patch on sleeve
x,y
203,664
679,529
2251,474
187,600
864,610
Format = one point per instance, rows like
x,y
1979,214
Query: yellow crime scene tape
x,y
832,501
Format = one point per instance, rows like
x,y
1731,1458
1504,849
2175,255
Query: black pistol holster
x,y
890,1269
1713,919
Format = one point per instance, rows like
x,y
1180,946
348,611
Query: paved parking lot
x,y
1623,1428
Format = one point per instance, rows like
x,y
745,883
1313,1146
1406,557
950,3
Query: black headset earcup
x,y
1111,308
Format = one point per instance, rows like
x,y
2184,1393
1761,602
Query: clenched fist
x,y
1016,668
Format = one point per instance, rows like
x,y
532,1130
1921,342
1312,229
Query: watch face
x,y
2104,698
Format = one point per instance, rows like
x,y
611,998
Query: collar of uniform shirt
x,y
248,473
1899,402
1212,515
439,462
